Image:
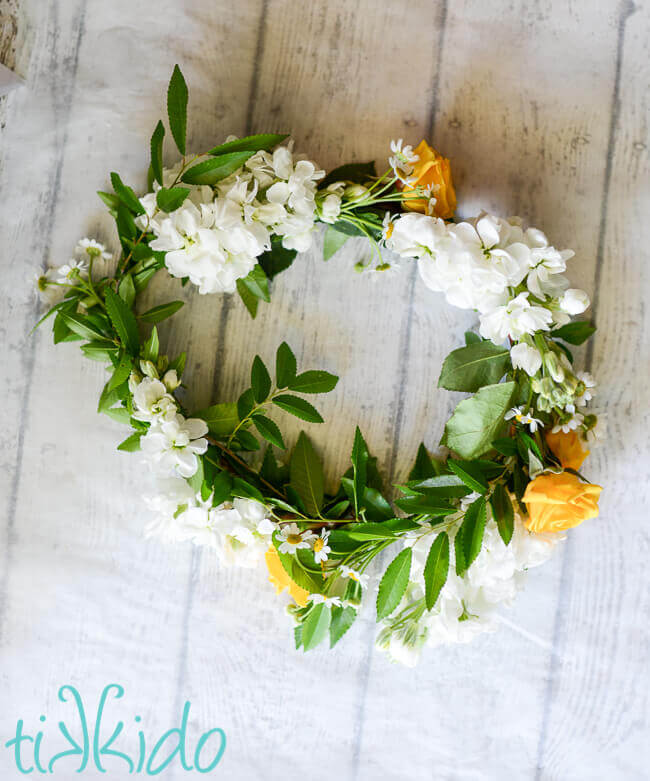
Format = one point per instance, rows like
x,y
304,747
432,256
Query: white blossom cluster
x,y
238,531
217,234
510,275
53,283
467,605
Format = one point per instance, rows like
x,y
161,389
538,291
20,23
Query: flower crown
x,y
467,524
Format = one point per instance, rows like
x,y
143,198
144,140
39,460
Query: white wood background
x,y
542,106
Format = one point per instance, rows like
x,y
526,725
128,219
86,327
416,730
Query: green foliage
x,y
161,312
269,430
471,531
220,418
316,626
342,620
503,512
299,407
313,382
436,569
177,108
350,172
215,169
253,288
156,147
261,141
393,583
277,259
126,195
307,475
333,240
470,474
123,321
168,200
285,366
260,380
359,466
470,368
574,333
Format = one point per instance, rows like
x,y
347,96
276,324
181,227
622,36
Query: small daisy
x,y
348,572
71,271
293,539
525,418
321,599
569,424
321,548
387,226
589,383
89,248
402,161
46,286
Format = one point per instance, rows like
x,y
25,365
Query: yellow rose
x,y
568,448
434,170
279,578
559,501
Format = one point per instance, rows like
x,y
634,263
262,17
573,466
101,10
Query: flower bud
x,y
171,381
355,192
146,367
574,301
553,367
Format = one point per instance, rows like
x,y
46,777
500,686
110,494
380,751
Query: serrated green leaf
x,y
472,530
470,474
574,333
121,373
299,407
307,475
316,626
436,569
161,312
168,200
342,620
151,347
333,241
215,169
119,414
177,108
285,366
131,444
123,321
220,418
503,512
260,380
359,463
423,505
81,326
314,382
126,194
265,141
424,465
156,147
461,566
99,350
368,531
393,584
470,368
477,421
246,440
269,430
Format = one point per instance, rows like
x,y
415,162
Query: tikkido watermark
x,y
94,743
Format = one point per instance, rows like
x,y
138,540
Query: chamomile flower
x,y
401,161
387,226
71,271
525,418
589,384
348,572
89,248
47,287
321,548
292,539
571,423
321,599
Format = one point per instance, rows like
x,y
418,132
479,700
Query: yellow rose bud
x,y
435,171
280,579
559,501
568,448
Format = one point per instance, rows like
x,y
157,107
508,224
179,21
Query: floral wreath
x,y
468,524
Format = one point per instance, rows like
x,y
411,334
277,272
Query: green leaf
x,y
168,200
156,147
221,486
342,620
472,338
333,241
375,505
461,566
177,108
277,259
506,446
316,626
178,364
424,505
441,486
436,569
470,474
123,321
81,326
359,463
470,368
477,421
161,312
107,398
215,169
503,512
472,530
121,373
260,380
424,465
246,440
244,489
119,414
126,290
269,430
132,443
368,531
126,194
314,382
350,172
99,350
307,475
272,472
110,199
574,333
245,403
151,347
265,141
285,366
252,288
221,418
393,583
299,407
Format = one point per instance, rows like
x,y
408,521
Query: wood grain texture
x,y
543,108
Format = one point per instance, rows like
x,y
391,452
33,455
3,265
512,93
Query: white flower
x,y
321,599
173,444
152,401
514,319
574,301
329,208
71,271
545,277
401,161
171,497
89,248
170,380
348,572
525,357
292,539
597,434
525,418
589,384
570,424
47,288
321,548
